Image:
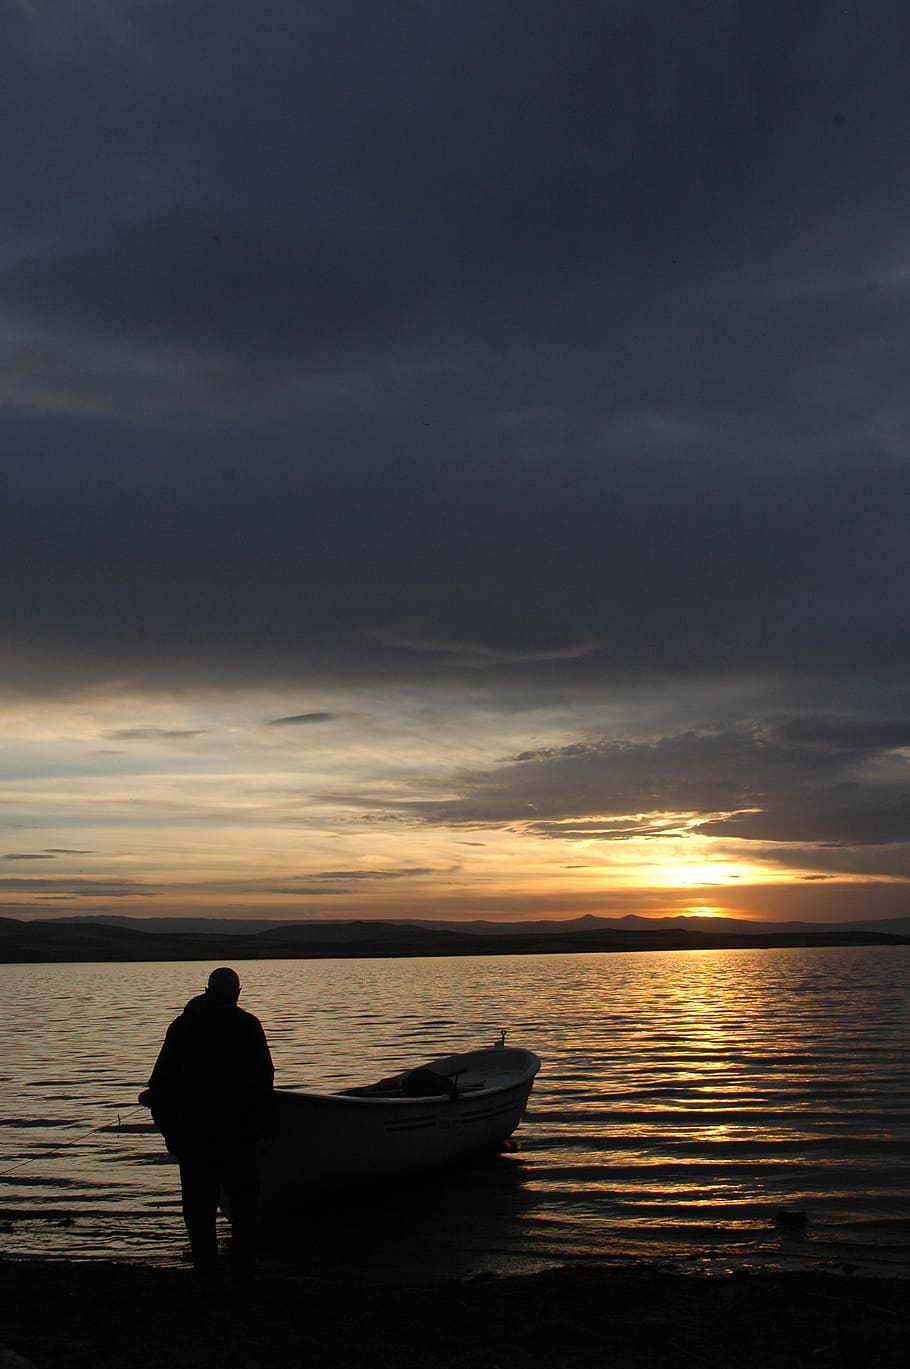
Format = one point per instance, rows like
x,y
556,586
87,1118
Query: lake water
x,y
685,1098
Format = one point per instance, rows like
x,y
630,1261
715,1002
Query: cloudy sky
x,y
455,458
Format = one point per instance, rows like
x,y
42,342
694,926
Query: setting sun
x,y
693,874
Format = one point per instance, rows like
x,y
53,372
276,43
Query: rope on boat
x,y
73,1140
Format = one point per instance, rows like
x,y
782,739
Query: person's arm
x,y
264,1074
162,1093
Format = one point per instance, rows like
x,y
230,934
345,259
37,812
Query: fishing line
x,y
80,1136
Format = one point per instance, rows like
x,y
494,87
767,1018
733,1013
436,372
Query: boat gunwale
x,y
522,1077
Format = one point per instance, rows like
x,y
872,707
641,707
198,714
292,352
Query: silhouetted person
x,y
211,1095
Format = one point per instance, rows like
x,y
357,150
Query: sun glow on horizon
x,y
694,874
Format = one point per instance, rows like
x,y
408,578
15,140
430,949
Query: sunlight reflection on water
x,y
685,1098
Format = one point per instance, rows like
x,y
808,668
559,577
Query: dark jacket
x,y
212,1081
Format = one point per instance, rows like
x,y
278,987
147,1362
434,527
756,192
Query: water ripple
x,y
685,1098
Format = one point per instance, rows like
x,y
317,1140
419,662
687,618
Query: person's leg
x,y
200,1187
240,1183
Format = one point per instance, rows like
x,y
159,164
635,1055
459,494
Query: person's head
x,y
223,986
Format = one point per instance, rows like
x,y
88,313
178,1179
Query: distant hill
x,y
899,926
126,939
589,922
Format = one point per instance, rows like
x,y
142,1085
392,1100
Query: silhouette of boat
x,y
422,1119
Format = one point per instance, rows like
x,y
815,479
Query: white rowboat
x,y
331,1140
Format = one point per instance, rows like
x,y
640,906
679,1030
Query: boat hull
x,y
332,1140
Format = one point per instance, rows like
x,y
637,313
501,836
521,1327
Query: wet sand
x,y
58,1315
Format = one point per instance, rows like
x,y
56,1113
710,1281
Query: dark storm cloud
x,y
508,142
561,343
845,734
734,784
169,280
578,569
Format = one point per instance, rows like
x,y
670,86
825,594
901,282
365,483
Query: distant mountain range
x,y
122,938
630,922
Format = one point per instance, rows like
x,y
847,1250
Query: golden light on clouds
x,y
342,805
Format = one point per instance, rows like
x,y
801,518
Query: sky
x,y
455,458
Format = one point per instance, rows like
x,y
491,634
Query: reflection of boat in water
x,y
422,1119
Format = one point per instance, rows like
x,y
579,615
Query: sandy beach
x,y
95,1314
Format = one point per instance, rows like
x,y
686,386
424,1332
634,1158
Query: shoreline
x,y
48,943
64,1315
